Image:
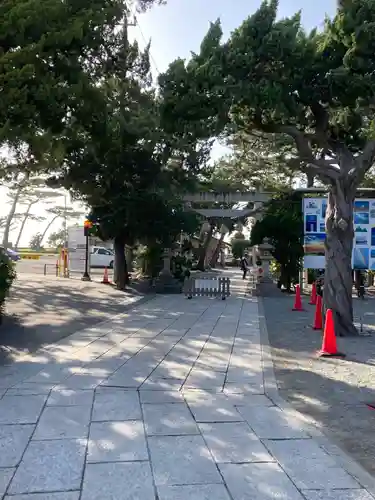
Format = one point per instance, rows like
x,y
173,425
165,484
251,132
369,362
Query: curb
x,y
271,390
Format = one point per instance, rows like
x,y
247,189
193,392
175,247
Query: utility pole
x,y
65,223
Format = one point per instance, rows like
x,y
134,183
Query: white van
x,y
101,257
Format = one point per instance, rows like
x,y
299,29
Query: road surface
x,y
46,265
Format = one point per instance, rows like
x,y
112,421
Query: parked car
x,y
101,257
13,255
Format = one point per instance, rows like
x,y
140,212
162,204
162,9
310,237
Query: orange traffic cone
x,y
298,300
329,346
105,277
318,318
313,295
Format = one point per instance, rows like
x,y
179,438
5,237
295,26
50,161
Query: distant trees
x,y
36,242
25,191
282,223
56,239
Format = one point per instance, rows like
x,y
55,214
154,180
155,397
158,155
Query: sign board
x,y
77,249
314,211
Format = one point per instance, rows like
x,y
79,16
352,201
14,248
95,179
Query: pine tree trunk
x,y
215,255
204,249
338,283
10,216
46,229
26,216
121,270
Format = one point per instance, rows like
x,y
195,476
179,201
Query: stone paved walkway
x,y
166,402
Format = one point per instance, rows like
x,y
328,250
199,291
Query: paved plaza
x,y
173,400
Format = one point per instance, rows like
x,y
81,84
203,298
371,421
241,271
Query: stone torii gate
x,y
254,200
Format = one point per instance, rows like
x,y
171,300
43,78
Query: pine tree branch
x,y
363,163
321,166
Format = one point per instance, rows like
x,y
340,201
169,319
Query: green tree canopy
x,y
52,54
257,161
117,169
282,224
317,89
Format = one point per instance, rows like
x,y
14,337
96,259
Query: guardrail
x,y
30,256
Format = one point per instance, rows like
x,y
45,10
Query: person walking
x,y
244,265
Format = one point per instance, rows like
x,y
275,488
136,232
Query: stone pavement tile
x,y
9,380
264,481
21,409
234,443
49,466
107,389
70,397
127,378
337,495
249,400
200,492
272,423
172,369
174,332
315,475
55,373
66,495
169,419
106,364
161,385
13,442
63,422
28,389
211,407
214,362
286,450
242,376
205,379
309,466
158,397
5,478
117,442
179,460
83,380
121,480
116,406
243,388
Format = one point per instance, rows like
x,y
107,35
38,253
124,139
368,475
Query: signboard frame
x,y
77,249
314,209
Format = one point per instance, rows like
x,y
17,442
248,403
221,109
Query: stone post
x,y
165,282
166,271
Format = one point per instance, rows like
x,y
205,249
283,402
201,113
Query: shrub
x,y
7,276
239,247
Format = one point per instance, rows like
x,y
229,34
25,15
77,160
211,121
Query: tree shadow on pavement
x,y
333,392
338,408
40,312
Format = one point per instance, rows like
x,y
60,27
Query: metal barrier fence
x,y
207,287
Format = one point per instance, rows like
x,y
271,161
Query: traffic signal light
x,y
87,225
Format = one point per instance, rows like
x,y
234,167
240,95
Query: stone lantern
x,y
262,253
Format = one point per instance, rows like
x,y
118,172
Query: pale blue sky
x,y
178,27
